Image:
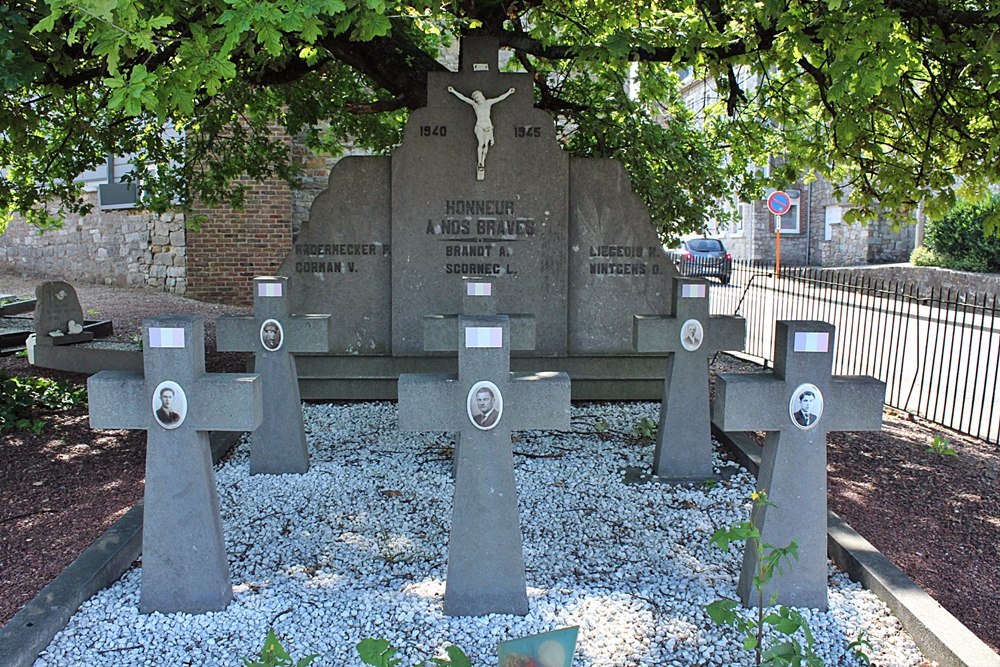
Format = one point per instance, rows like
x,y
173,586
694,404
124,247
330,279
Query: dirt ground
x,y
935,516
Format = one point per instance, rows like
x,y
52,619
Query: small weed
x,y
942,447
855,650
380,653
645,429
22,399
782,619
600,427
273,654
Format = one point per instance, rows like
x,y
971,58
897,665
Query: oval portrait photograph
x,y
485,405
806,406
692,334
169,404
271,334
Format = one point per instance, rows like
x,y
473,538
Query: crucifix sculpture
x,y
484,125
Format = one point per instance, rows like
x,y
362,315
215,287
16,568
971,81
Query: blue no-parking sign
x,y
779,202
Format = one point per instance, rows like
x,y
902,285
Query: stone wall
x,y
930,277
126,247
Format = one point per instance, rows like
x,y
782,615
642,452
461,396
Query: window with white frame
x,y
833,215
106,180
744,218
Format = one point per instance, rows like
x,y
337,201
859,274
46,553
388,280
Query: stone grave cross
x,y
485,402
797,405
273,334
442,333
184,566
684,436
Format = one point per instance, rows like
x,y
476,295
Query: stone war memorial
x,y
479,188
796,405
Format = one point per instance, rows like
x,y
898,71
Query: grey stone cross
x,y
485,402
442,333
273,334
184,566
684,436
797,405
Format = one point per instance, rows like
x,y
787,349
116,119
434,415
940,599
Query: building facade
x,y
813,232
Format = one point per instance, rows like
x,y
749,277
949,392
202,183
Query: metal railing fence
x,y
936,349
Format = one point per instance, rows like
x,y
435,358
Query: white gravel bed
x,y
357,547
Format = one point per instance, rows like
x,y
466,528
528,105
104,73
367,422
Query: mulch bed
x,y
936,517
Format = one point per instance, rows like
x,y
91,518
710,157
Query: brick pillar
x,y
236,245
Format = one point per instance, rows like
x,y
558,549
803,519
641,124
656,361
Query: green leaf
x,y
456,658
722,611
377,652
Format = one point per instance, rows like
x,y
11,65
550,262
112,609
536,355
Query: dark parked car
x,y
703,257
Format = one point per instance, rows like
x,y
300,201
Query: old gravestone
x,y
58,315
797,405
565,240
273,334
684,434
184,565
485,402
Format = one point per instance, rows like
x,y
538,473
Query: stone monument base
x,y
374,377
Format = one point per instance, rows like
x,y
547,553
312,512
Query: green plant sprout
x,y
380,653
941,446
784,620
23,398
273,654
645,429
600,427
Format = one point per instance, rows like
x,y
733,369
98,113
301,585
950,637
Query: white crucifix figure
x,y
484,125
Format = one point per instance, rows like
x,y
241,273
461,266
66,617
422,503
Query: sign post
x,y
779,203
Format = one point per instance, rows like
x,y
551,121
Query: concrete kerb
x,y
940,636
27,634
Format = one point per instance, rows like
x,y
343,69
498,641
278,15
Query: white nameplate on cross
x,y
811,341
689,291
483,337
269,289
479,289
166,337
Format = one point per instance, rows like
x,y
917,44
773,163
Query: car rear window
x,y
705,245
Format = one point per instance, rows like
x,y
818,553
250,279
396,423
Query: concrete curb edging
x,y
26,635
101,564
940,636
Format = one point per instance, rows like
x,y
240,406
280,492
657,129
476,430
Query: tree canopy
x,y
897,100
